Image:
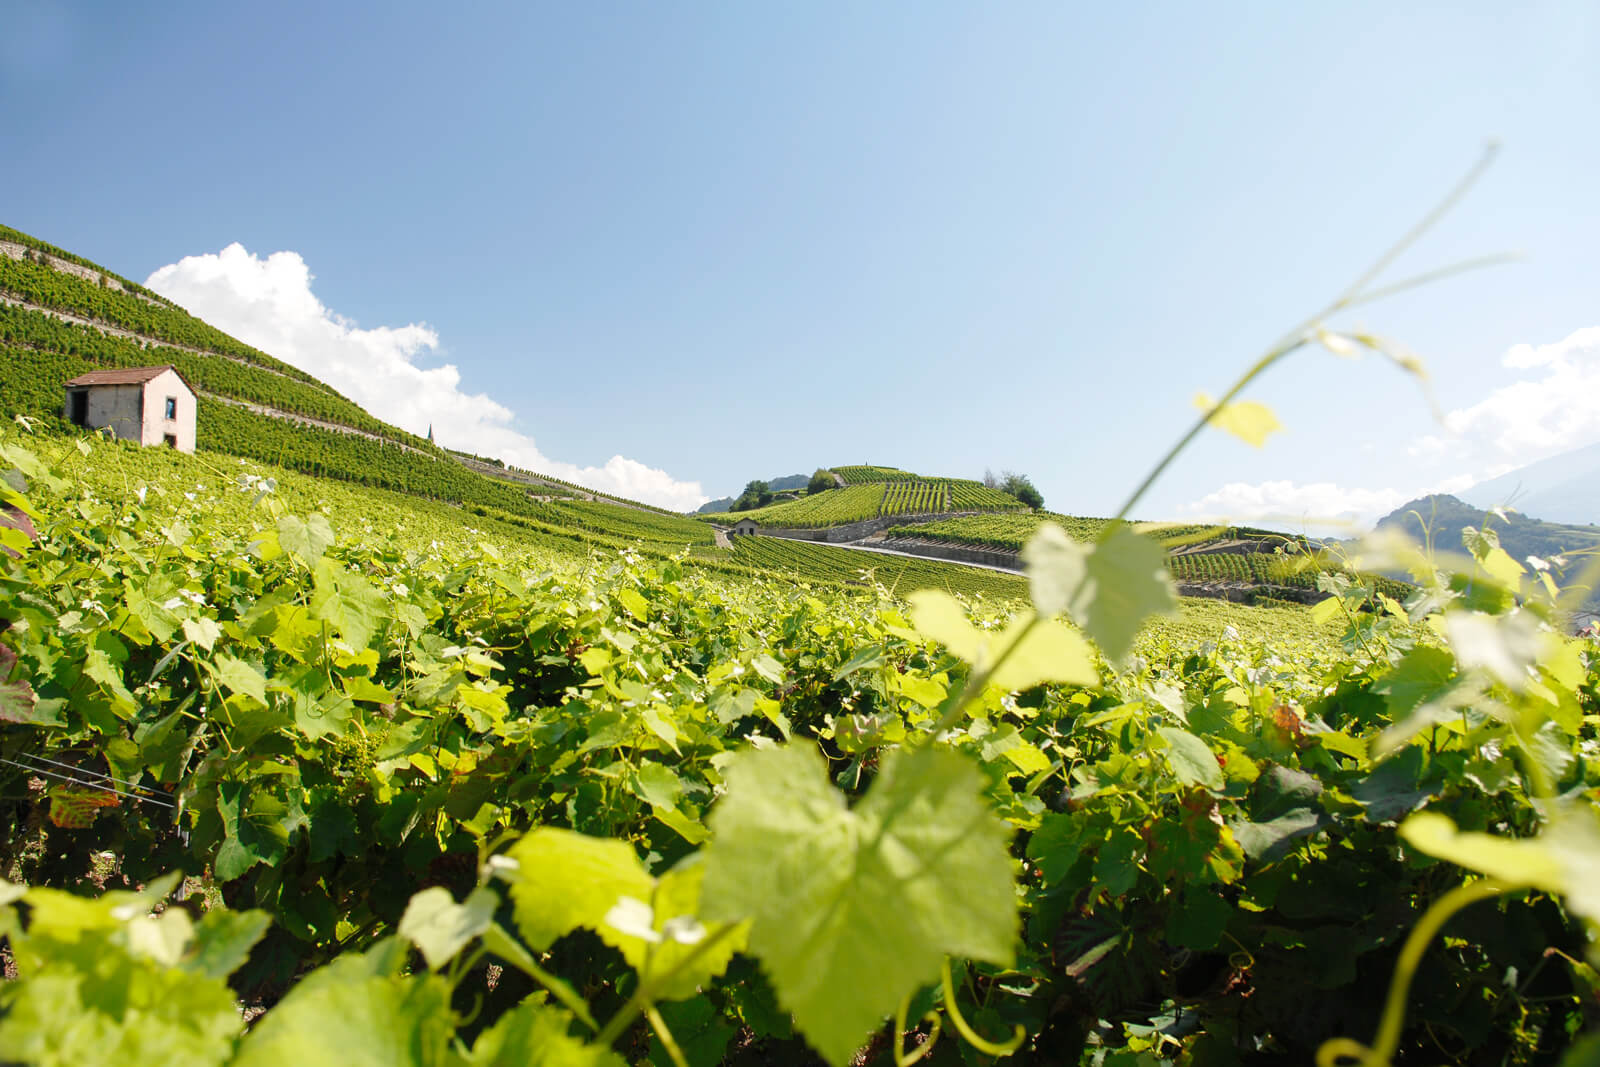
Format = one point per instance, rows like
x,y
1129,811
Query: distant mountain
x,y
1446,516
777,485
1564,488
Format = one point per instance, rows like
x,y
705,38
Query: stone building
x,y
151,405
743,528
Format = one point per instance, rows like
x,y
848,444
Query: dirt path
x,y
721,537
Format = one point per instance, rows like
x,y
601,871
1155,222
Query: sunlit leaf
x,y
854,908
440,927
1248,420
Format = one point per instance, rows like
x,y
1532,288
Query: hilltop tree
x,y
757,494
821,481
1021,487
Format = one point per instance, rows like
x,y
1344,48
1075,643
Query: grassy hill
x,y
1438,521
62,315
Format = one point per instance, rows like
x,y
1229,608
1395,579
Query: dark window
x,y
171,439
78,407
172,407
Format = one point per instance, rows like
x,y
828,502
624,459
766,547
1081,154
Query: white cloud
x,y
268,302
1316,507
1556,410
1552,411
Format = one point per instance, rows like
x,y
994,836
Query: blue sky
x,y
670,248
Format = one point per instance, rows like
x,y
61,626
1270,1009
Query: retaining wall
x,y
855,531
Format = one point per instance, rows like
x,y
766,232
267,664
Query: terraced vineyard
x,y
915,498
622,521
39,353
45,286
1266,568
835,507
42,353
897,574
861,475
1011,531
975,496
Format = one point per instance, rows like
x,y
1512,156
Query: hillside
x,y
1437,521
777,485
62,315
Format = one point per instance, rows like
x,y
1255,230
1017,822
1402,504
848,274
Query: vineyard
x,y
914,498
41,285
388,762
37,246
835,507
829,563
392,750
1266,568
863,475
621,521
1013,531
39,354
975,496
46,353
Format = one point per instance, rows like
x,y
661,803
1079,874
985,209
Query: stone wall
x,y
12,250
855,531
988,557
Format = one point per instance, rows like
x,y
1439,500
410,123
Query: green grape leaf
x,y
307,538
116,1011
241,678
565,880
636,604
535,1035
348,602
98,666
343,1016
1110,588
853,909
1049,653
202,631
1504,646
1519,861
440,927
1563,859
1192,759
700,1030
223,940
1248,420
1420,674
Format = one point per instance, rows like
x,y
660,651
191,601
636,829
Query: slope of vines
x,y
703,819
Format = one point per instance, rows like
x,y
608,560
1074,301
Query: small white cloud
x,y
1314,505
268,302
1556,410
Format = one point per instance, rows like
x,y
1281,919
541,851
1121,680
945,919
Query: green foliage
x,y
867,474
757,494
725,803
821,481
855,908
832,564
159,320
1021,487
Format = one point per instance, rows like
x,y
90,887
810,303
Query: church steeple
x,y
430,433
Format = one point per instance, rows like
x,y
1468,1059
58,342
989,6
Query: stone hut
x,y
743,528
151,405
